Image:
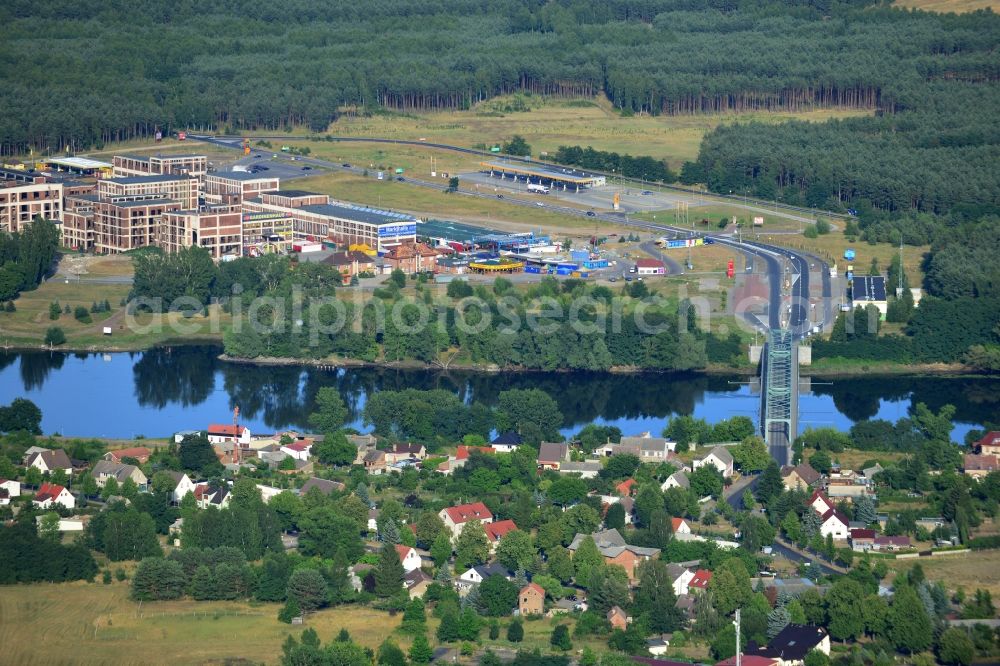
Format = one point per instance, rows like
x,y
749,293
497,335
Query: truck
x,y
537,187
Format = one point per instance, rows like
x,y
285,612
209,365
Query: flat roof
x,y
79,163
135,180
456,231
242,175
142,203
294,194
543,171
868,288
359,213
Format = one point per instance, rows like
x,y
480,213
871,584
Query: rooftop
x,y
359,213
138,180
868,288
240,175
79,163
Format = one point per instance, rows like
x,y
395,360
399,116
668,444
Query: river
x,y
156,393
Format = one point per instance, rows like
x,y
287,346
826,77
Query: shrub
x,y
82,315
54,336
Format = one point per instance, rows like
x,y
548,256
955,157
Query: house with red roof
x,y
300,450
701,579
989,445
680,526
750,660
455,517
835,524
978,466
820,503
50,493
531,600
408,557
862,539
219,432
497,531
649,267
140,453
626,487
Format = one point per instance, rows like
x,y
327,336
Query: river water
x,y
159,392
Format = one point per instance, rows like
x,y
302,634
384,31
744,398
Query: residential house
x,y
649,449
552,455
720,458
416,582
351,263
680,526
50,493
978,466
989,444
531,600
375,462
678,479
364,444
408,557
891,543
615,551
219,433
182,486
680,578
617,618
587,469
455,517
700,580
299,450
324,486
820,503
106,469
9,488
800,477
626,487
848,490
506,442
497,531
401,452
140,453
411,257
792,644
657,645
479,573
181,434
47,461
862,540
834,523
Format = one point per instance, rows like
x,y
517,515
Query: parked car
x,y
647,192
346,165
307,168
400,179
591,213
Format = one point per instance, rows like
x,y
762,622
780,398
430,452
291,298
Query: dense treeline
x,y
30,558
124,69
643,167
938,153
26,256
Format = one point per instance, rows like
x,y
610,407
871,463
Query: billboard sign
x,y
407,229
758,221
265,217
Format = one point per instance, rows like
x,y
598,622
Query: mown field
x,y
977,569
547,124
957,6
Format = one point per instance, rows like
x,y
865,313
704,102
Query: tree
x,y
770,484
846,618
447,631
755,533
517,146
54,336
864,510
497,596
516,550
955,647
910,628
441,549
330,411
875,613
816,658
414,617
389,654
468,624
586,557
420,650
730,586
821,462
515,631
157,579
567,490
655,600
429,525
308,588
335,449
615,517
560,639
48,527
472,546
398,278
388,572
778,619
705,481
530,412
326,533
197,454
687,430
751,454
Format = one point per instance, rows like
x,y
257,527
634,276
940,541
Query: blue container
x,y
532,269
579,255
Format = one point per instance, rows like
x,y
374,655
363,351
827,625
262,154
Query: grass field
x,y
27,326
979,569
95,624
547,124
957,6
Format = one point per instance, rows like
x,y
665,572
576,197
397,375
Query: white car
x,y
539,204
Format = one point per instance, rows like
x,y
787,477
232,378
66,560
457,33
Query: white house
x,y
680,526
507,442
49,494
267,492
676,480
408,557
219,433
455,517
183,486
680,577
478,574
49,460
298,450
820,503
120,472
836,524
719,458
9,488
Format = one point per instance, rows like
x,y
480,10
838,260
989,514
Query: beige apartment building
x,y
195,166
238,186
182,189
123,224
20,202
218,229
